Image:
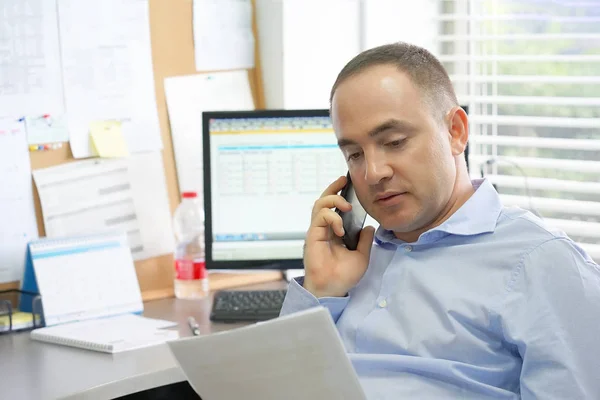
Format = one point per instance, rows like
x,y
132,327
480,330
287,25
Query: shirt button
x,y
382,303
408,248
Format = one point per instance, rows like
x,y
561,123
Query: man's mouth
x,y
389,198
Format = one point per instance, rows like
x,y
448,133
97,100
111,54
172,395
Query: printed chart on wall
x,y
30,82
17,214
98,195
187,97
107,71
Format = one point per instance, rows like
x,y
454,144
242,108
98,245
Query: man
x,y
454,296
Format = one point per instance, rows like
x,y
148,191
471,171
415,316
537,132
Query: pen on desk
x,y
194,326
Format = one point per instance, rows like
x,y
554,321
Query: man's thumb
x,y
365,240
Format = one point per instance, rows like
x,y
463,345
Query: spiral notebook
x,y
90,294
109,335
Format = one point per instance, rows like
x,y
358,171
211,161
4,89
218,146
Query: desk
x,y
36,370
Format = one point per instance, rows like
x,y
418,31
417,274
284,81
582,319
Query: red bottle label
x,y
188,270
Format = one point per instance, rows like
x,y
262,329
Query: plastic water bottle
x,y
191,277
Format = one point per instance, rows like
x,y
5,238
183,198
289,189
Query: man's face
x,y
399,156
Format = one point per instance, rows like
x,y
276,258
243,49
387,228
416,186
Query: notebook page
x,y
86,278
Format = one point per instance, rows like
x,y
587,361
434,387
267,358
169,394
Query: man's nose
x,y
377,168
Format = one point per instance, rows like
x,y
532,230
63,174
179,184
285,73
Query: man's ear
x,y
458,128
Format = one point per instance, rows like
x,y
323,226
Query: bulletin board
x,y
172,41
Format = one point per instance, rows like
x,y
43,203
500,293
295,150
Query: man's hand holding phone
x,y
331,269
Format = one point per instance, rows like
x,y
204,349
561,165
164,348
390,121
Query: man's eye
x,y
353,156
395,143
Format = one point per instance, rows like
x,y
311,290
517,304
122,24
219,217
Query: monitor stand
x,y
220,279
290,274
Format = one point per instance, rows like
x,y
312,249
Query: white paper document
x,y
97,195
30,78
17,214
223,37
107,71
298,356
187,97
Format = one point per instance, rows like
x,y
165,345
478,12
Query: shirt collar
x,y
478,215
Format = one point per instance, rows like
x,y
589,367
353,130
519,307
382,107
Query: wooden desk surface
x,y
36,370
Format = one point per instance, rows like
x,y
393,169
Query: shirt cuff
x,y
299,299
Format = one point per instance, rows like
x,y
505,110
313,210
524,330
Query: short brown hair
x,y
422,67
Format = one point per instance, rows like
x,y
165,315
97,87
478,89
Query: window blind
x,y
529,70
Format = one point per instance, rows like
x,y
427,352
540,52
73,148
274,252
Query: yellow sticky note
x,y
107,138
20,320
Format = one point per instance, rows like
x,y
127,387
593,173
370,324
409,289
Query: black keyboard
x,y
246,305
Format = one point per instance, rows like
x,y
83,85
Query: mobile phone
x,y
354,219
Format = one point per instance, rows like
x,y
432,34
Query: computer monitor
x,y
263,171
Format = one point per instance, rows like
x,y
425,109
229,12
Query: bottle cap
x,y
189,195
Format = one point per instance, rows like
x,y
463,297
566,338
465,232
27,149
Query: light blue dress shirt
x,y
489,305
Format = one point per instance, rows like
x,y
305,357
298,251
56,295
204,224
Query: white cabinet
x,y
387,21
303,46
305,43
